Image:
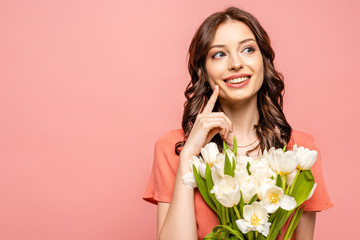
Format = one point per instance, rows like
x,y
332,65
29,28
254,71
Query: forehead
x,y
232,31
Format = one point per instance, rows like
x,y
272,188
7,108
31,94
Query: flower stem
x,y
287,190
292,222
293,184
237,212
250,235
223,219
227,215
284,182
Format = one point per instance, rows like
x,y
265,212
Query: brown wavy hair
x,y
272,129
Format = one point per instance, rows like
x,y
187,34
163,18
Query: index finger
x,y
211,103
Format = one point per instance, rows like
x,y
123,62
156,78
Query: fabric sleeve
x,y
320,199
162,179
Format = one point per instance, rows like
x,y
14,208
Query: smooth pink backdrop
x,y
86,87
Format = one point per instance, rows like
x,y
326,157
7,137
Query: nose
x,y
235,63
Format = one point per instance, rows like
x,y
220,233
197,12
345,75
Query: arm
x,y
305,228
176,220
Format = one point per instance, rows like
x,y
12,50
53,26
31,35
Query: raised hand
x,y
206,126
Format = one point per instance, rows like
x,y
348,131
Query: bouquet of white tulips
x,y
253,197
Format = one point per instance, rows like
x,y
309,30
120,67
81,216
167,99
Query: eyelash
x,y
249,48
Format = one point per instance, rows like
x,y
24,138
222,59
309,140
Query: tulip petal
x,y
243,225
247,211
312,191
290,177
271,207
287,203
306,158
189,180
264,228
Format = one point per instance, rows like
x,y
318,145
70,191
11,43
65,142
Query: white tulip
x,y
268,154
242,162
275,198
290,177
231,156
227,191
217,171
258,164
264,186
248,190
255,219
189,180
209,153
199,165
312,191
282,162
261,169
306,157
248,184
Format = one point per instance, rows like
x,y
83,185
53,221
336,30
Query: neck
x,y
243,115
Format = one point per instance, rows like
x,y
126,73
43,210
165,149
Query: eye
x,y
218,55
249,50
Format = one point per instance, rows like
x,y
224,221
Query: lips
x,y
237,81
237,76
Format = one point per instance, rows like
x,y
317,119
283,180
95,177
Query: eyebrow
x,y
241,42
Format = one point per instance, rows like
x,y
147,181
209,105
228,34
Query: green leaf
x,y
260,237
241,204
224,232
248,168
235,146
272,216
250,235
303,186
301,190
232,217
228,168
203,190
253,199
233,166
284,149
225,146
294,222
216,234
278,223
210,186
279,181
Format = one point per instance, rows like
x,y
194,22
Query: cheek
x,y
258,67
214,71
256,64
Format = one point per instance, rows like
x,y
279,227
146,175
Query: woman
x,y
234,91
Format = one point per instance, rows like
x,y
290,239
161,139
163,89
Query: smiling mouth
x,y
237,80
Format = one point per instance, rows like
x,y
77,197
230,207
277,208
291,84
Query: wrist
x,y
185,163
187,152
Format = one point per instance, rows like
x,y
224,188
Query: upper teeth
x,y
238,80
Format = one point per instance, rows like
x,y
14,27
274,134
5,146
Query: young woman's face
x,y
234,62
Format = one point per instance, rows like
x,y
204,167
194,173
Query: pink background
x,y
86,87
